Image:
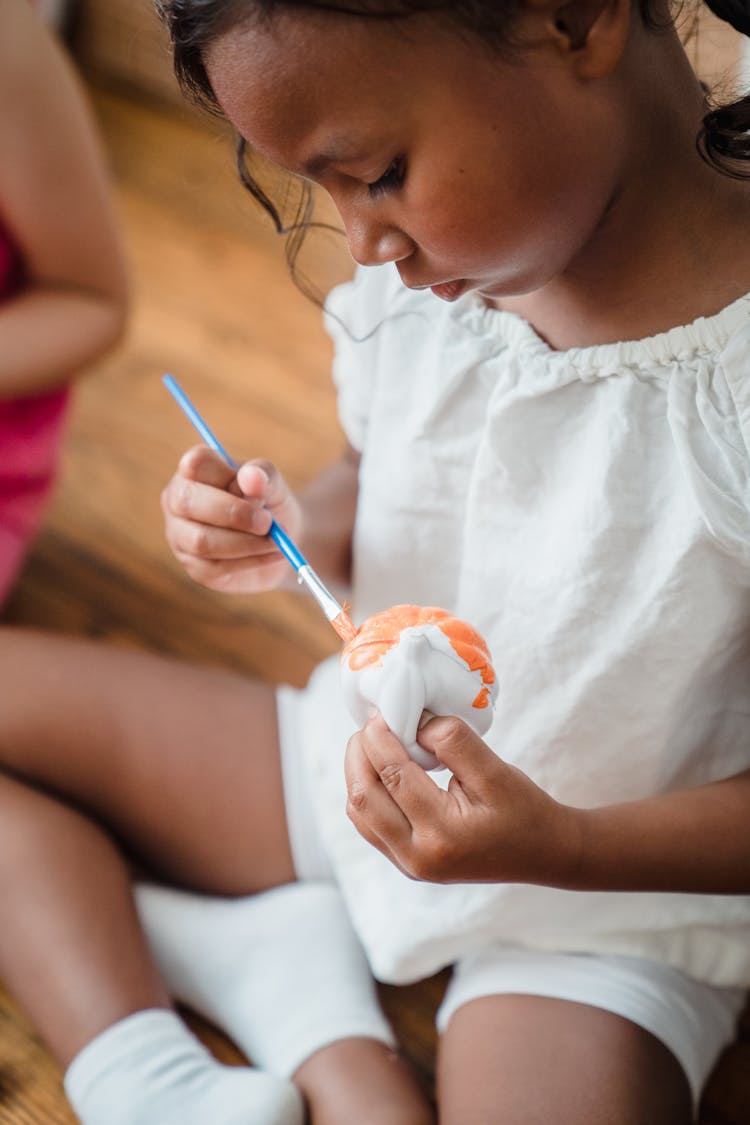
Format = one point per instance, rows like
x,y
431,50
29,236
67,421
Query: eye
x,y
392,178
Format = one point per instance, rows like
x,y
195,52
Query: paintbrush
x,y
334,612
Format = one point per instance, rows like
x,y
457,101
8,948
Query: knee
x,y
363,1081
35,827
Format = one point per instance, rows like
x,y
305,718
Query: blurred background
x,y
214,305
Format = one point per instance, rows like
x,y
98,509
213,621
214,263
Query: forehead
x,y
308,77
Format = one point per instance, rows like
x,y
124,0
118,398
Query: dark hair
x,y
194,24
723,140
724,137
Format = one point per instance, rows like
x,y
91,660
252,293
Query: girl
x,y
544,383
62,273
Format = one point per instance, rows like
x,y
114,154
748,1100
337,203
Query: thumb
x,y
253,478
458,747
261,480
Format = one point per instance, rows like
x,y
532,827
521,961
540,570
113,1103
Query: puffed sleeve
x,y
356,315
709,415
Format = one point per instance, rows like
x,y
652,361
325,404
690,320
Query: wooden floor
x,y
213,305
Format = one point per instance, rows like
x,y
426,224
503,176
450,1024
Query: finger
x,y
201,503
237,575
203,464
407,785
367,833
199,540
466,755
261,479
370,806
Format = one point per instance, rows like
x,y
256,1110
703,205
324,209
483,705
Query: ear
x,y
593,33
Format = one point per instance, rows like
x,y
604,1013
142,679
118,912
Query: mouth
x,y
445,290
449,290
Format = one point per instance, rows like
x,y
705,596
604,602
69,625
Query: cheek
x,y
524,226
454,222
494,233
496,212
518,215
554,195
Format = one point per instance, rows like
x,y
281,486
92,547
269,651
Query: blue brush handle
x,y
288,549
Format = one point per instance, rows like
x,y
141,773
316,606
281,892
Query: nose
x,y
373,243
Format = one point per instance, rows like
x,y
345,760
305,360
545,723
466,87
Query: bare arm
x,y
328,508
55,205
692,840
495,825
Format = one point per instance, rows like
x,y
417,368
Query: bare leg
x,y
181,766
363,1082
66,898
178,762
530,1060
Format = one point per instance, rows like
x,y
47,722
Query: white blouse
x,y
588,511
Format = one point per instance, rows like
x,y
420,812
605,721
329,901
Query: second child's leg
x,y
103,749
156,752
71,948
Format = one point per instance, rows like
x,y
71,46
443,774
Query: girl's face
x,y
467,169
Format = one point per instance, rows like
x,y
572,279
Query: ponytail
x,y
724,137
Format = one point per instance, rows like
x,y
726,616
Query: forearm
x,y
48,335
493,824
328,510
693,841
58,216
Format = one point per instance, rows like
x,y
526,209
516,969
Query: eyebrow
x,y
337,152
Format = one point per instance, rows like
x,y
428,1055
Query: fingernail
x,y
376,722
261,472
424,719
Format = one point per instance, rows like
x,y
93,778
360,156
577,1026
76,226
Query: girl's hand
x,y
217,521
493,824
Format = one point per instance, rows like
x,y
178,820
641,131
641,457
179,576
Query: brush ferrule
x,y
325,599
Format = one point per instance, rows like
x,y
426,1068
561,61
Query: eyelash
x,y
392,178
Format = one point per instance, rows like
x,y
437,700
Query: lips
x,y
448,290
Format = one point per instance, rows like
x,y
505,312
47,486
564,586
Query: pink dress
x,y
30,438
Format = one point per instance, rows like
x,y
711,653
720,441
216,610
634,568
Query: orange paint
x,y
482,698
344,626
382,631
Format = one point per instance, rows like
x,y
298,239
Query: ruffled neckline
x,y
705,336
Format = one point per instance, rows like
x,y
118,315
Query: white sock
x,y
282,973
149,1069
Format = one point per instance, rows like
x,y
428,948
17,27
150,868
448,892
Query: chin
x,y
512,287
520,278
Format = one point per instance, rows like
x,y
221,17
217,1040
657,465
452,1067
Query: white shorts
x,y
696,1021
